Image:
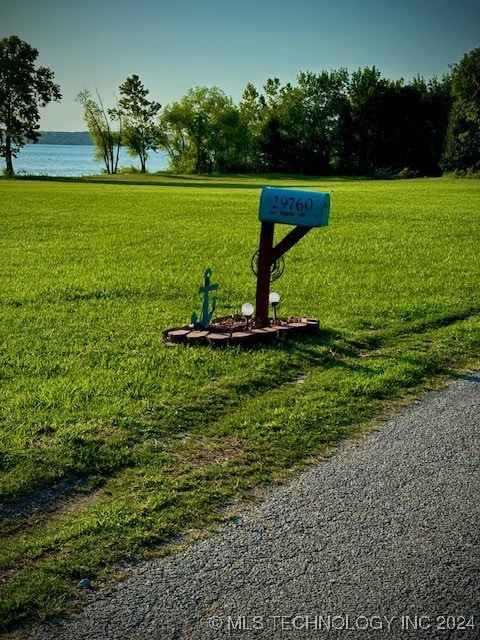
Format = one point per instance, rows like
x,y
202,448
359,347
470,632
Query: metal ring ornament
x,y
276,268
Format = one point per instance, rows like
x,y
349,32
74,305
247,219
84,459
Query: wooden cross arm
x,y
287,242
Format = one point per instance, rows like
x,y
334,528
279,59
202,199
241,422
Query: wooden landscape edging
x,y
231,331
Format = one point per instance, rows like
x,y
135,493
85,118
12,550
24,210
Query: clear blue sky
x,y
174,45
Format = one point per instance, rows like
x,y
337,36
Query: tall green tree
x,y
323,96
202,132
139,130
105,127
277,140
300,124
251,113
420,112
367,93
23,89
390,125
462,151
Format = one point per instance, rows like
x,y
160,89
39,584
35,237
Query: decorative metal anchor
x,y
208,307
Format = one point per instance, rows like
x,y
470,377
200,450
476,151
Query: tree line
x,y
333,122
66,137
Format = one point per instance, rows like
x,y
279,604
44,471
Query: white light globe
x,y
274,298
247,309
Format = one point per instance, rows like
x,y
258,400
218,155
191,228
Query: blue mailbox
x,y
292,206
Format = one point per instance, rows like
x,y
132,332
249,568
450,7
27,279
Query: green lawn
x,y
155,440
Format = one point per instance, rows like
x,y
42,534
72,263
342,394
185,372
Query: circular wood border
x,y
282,329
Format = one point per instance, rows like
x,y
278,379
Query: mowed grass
x,y
136,442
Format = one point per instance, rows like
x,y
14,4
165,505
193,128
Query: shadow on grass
x,y
214,401
211,402
196,181
469,378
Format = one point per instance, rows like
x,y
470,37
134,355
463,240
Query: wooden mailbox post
x,y
304,209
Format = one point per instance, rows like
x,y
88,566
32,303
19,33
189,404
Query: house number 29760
x,y
292,204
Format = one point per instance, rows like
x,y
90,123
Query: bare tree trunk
x,y
8,157
118,115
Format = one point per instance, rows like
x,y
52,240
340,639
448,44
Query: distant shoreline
x,y
66,137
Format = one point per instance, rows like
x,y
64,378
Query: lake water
x,y
74,160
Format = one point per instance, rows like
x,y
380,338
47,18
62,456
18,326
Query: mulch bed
x,y
232,331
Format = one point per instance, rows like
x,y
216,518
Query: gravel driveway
x,y
378,541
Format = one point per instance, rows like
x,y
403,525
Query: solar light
x,y
274,299
247,311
